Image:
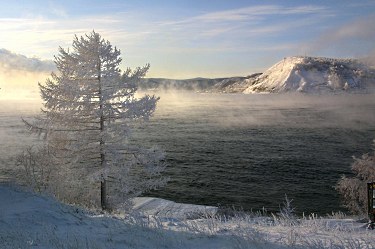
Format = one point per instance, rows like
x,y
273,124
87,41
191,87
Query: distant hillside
x,y
292,74
232,84
196,84
313,75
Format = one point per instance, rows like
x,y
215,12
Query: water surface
x,y
239,150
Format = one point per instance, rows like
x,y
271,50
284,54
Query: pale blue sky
x,y
202,38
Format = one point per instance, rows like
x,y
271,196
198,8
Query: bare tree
x,y
89,111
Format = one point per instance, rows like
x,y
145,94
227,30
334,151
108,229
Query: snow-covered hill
x,y
313,75
292,74
234,84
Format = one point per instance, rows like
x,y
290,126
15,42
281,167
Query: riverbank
x,y
28,220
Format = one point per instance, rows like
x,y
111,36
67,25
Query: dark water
x,y
249,151
245,151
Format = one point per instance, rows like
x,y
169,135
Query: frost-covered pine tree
x,y
354,189
89,111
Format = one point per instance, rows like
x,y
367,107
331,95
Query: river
x,y
245,151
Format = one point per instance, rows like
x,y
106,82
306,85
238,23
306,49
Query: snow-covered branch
x,y
89,109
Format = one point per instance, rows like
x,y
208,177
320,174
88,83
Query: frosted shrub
x,y
354,189
286,216
36,168
40,172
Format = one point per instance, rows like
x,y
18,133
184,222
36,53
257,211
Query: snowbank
x,y
170,209
28,220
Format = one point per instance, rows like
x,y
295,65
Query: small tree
x,y
354,189
89,110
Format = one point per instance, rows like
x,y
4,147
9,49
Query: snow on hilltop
x,y
313,75
292,74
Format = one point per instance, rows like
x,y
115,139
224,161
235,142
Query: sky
x,y
187,38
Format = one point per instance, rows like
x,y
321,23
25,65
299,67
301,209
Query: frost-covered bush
x,y
354,189
41,173
36,168
287,215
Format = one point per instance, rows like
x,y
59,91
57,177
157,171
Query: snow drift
x,y
313,75
28,220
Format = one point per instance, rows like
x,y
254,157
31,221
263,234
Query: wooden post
x,y
371,204
103,194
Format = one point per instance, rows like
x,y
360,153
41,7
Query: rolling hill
x,y
314,75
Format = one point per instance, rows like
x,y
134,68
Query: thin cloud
x,y
362,4
19,75
243,22
130,30
250,13
12,61
156,38
362,28
353,34
57,10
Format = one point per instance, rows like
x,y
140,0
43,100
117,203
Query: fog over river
x,y
246,151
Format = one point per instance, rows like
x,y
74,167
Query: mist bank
x,y
301,74
229,84
354,111
20,85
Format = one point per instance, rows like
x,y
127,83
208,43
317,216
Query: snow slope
x,y
28,220
313,75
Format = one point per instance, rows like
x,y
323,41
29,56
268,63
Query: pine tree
x,y
89,111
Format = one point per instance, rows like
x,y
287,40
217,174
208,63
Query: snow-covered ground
x,y
28,220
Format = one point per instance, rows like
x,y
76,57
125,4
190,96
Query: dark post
x,y
103,194
371,204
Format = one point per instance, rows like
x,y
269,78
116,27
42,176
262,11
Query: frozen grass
x,y
283,230
31,221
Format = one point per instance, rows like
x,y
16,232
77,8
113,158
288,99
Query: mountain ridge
x,y
195,84
305,74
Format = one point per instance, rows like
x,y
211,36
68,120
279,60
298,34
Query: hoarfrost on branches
x,y
89,111
354,189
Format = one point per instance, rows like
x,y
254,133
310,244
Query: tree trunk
x,y
103,184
